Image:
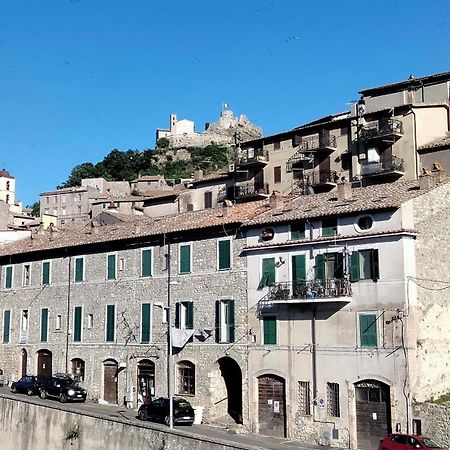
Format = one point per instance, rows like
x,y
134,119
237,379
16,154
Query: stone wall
x,y
435,420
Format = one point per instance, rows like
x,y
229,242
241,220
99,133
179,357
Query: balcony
x,y
318,180
251,191
334,290
389,130
253,159
388,170
309,146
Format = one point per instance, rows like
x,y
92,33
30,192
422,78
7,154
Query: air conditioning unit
x,y
231,168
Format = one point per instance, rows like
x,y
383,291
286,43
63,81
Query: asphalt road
x,y
130,415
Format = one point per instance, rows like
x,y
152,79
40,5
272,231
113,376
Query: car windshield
x,y
429,443
182,403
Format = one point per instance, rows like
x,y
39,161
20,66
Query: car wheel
x,y
167,420
143,414
30,391
63,398
43,394
13,389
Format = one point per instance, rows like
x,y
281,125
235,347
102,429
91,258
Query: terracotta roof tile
x,y
441,142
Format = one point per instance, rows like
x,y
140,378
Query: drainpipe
x,y
416,174
169,340
314,357
68,315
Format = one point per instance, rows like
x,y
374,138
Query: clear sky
x,y
81,77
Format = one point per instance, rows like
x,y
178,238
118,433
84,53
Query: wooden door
x,y
44,366
271,406
110,381
24,362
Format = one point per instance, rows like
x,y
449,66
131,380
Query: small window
x,y
208,199
46,273
224,321
304,398
8,277
364,223
368,330
184,315
329,226
7,185
146,320
333,406
55,199
277,174
224,254
186,378
110,323
364,265
346,161
79,269
44,324
146,263
111,267
58,323
185,258
90,321
297,230
277,145
269,330
6,326
26,275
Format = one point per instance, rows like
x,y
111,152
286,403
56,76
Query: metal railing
x,y
385,128
245,190
253,157
395,164
317,142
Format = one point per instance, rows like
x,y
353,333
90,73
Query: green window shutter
x,y
146,269
6,326
44,324
270,330
189,315
355,274
299,269
145,323
368,330
185,259
8,280
111,267
320,267
77,319
177,315
217,325
46,272
268,272
79,263
375,265
298,230
224,254
231,319
110,323
339,268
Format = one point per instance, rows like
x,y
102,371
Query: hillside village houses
x,y
316,312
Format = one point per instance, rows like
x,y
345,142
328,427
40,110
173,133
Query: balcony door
x,y
298,273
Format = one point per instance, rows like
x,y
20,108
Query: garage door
x,y
271,406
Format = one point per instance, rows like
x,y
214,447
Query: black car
x,y
63,388
158,410
29,384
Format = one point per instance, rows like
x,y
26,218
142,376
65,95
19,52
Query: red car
x,y
406,442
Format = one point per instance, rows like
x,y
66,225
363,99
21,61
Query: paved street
x,y
129,415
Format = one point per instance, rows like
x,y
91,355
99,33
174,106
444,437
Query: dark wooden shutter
x,y
208,200
217,322
79,269
110,322
111,267
368,330
277,174
44,324
339,266
375,265
185,259
46,272
298,230
320,267
224,254
355,274
8,281
77,319
145,323
177,315
268,272
231,319
146,268
6,325
270,330
189,315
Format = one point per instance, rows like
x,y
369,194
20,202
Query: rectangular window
x,y
44,324
298,230
77,323
8,277
6,326
46,273
224,250
185,258
329,266
267,272
26,275
277,174
333,406
184,315
111,267
79,269
368,330
304,398
277,145
208,200
225,321
58,322
146,263
329,226
364,265
270,330
186,378
110,323
90,321
146,320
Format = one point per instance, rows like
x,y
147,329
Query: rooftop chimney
x,y
276,200
227,205
344,190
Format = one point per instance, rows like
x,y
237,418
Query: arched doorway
x,y
44,363
232,377
373,413
145,381
77,369
272,405
110,367
24,361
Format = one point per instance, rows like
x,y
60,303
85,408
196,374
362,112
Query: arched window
x,y
186,378
7,185
7,198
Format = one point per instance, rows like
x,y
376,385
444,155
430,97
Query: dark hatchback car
x,y
407,442
28,384
158,411
63,388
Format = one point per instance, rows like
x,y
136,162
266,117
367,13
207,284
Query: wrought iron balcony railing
x,y
395,164
253,157
247,190
385,129
308,146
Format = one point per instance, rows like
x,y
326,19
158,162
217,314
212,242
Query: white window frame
x,y
261,331
58,320
29,274
223,324
151,323
151,266
90,321
12,276
217,253
49,272
40,322
106,323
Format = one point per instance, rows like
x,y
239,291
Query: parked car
x,y
2,380
158,410
63,388
406,442
28,384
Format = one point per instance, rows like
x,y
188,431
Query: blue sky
x,y
81,77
